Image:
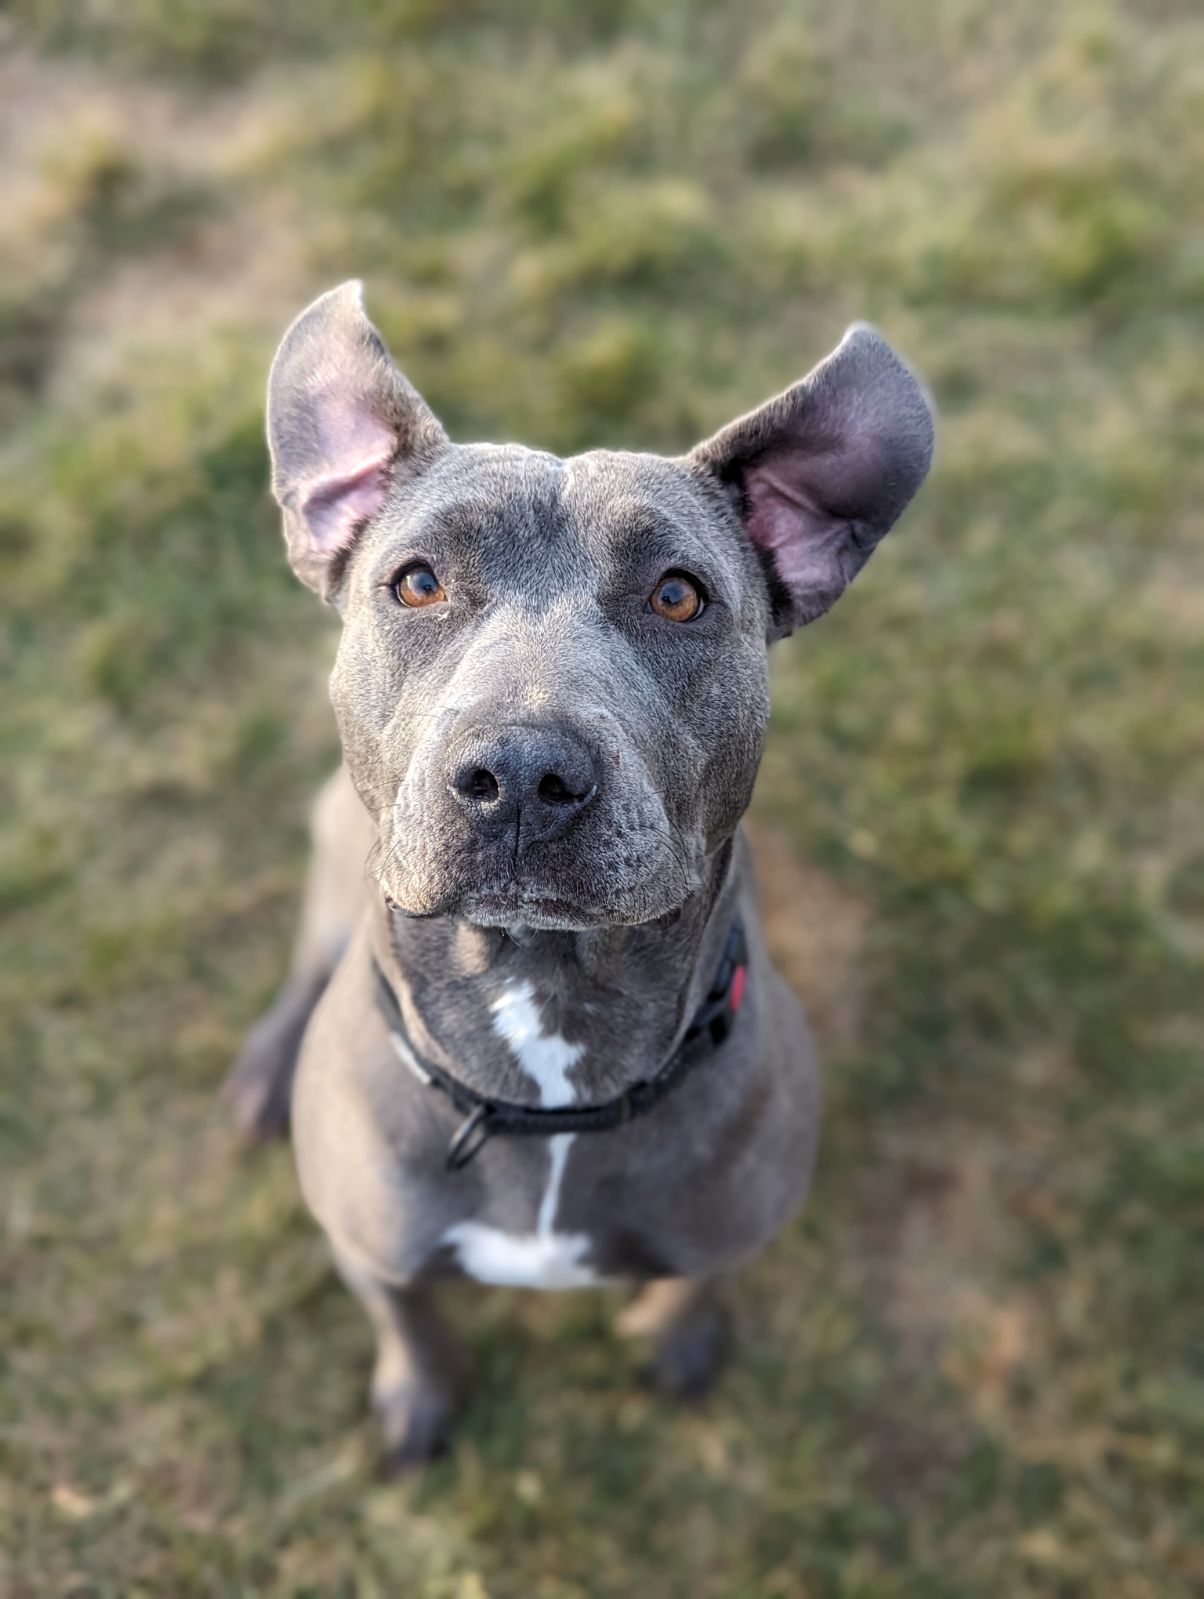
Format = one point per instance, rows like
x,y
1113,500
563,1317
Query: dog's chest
x,y
542,1256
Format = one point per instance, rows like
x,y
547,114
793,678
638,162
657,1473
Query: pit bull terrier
x,y
538,1040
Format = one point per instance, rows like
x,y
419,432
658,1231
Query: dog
x,y
538,1041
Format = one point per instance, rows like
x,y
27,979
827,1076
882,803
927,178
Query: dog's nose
x,y
538,779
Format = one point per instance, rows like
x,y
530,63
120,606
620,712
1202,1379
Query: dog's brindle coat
x,y
547,775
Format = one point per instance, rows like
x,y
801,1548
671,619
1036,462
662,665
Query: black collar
x,y
485,1118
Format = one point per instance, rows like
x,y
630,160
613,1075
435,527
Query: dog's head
x,y
551,683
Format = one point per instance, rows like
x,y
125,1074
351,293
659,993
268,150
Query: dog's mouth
x,y
552,889
513,905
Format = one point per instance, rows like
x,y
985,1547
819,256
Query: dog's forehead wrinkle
x,y
633,480
537,529
510,525
634,511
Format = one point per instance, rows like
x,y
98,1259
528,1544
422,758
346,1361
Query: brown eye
x,y
676,597
418,585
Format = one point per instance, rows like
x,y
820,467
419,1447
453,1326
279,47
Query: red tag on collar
x,y
736,992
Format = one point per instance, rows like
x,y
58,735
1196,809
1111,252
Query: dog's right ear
x,y
343,426
820,474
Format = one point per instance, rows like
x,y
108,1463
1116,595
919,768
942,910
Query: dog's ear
x,y
820,473
343,426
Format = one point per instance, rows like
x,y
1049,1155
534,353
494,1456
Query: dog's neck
x,y
550,1018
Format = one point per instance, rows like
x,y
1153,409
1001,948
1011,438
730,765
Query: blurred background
x,y
968,1368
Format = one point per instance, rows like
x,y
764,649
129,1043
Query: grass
x,y
972,1367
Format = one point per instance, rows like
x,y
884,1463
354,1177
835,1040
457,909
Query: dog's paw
x,y
416,1423
689,1357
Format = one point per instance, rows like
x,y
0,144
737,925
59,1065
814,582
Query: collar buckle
x,y
472,1133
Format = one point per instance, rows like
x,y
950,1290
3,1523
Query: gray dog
x,y
539,1041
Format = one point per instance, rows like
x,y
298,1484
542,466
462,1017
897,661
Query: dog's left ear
x,y
344,426
822,472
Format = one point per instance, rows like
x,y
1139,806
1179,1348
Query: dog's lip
x,y
392,904
515,904
508,906
501,907
548,913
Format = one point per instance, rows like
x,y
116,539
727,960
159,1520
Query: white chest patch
x,y
544,1258
544,1056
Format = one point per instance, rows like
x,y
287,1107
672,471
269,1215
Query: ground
x,y
970,1368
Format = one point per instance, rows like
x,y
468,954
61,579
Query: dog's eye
x,y
677,598
418,585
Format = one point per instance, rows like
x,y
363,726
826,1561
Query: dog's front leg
x,y
685,1322
418,1373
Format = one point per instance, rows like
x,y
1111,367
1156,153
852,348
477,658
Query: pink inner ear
x,y
335,506
355,450
782,518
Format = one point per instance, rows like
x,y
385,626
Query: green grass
x,y
971,1368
